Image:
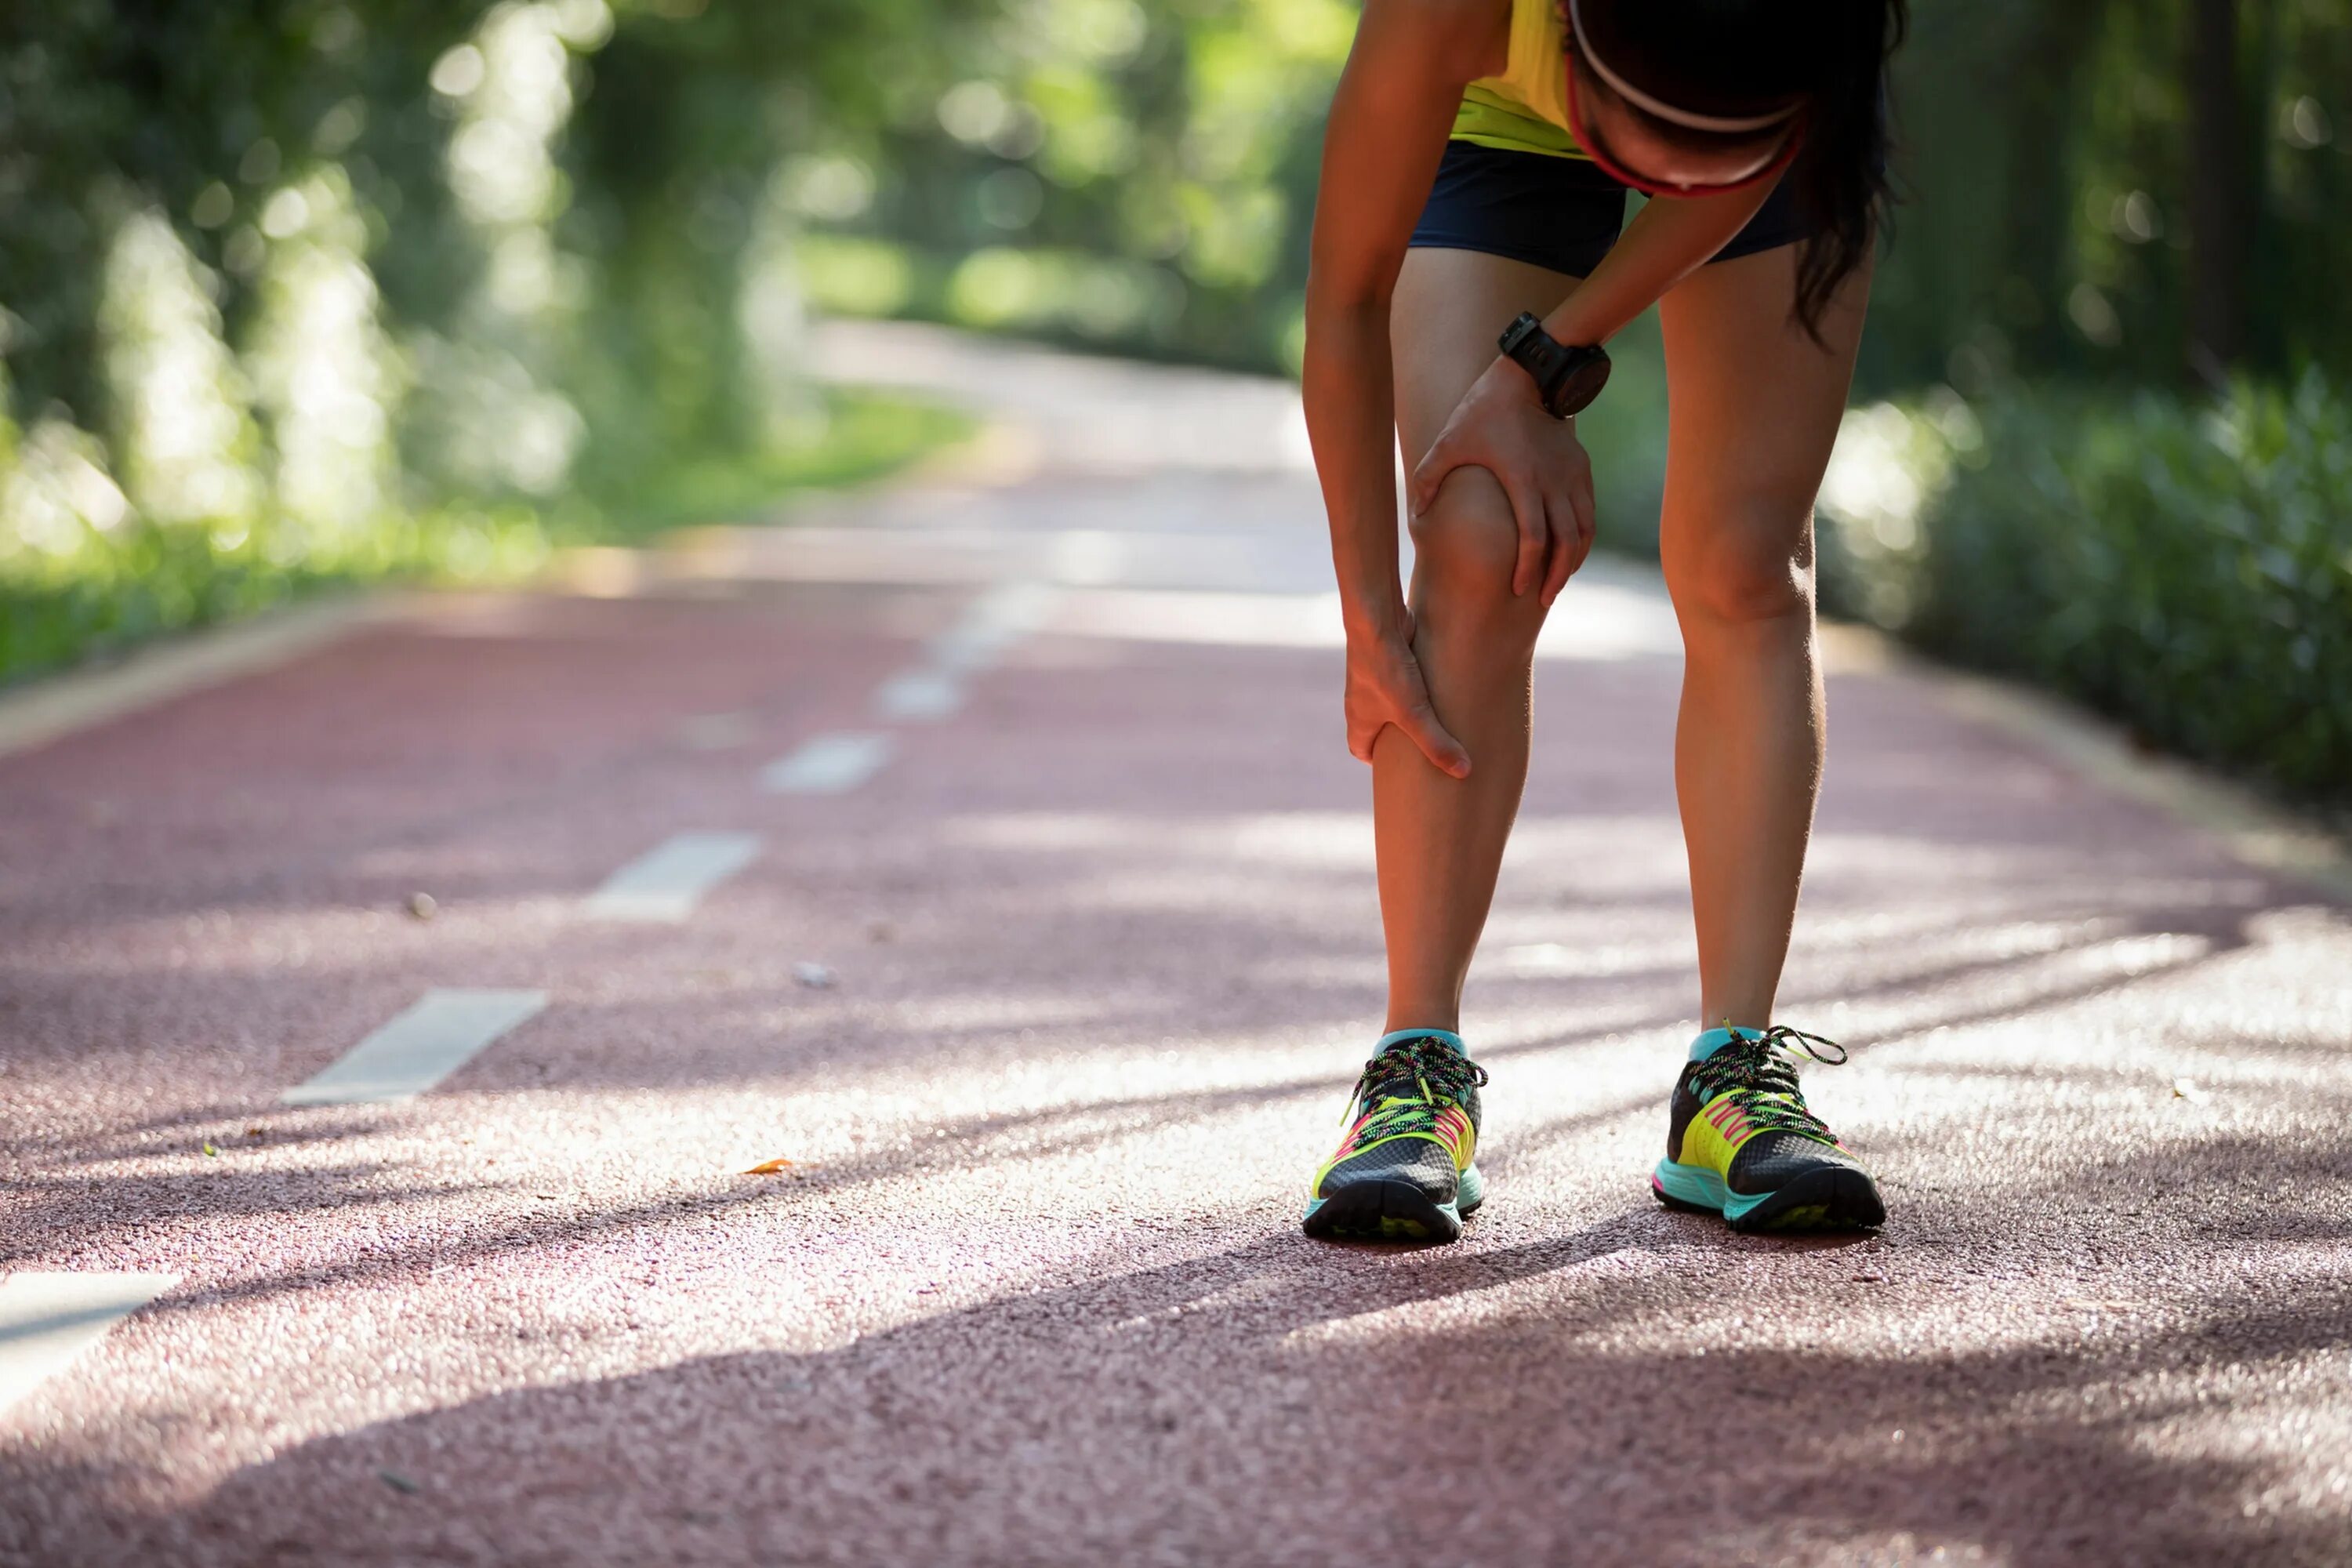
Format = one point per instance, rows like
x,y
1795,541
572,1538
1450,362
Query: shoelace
x,y
1430,1066
1761,1069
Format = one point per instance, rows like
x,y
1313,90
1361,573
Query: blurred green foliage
x,y
1140,173
2049,159
70,589
1127,174
2185,565
297,292
306,290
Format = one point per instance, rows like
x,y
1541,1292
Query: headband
x,y
1666,111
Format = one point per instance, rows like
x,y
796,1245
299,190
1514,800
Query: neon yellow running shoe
x,y
1404,1171
1741,1143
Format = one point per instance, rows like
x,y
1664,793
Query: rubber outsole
x,y
1382,1211
1833,1197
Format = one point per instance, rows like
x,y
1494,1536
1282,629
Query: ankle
x,y
1708,1041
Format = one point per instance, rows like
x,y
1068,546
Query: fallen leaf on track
x,y
211,1152
769,1167
398,1483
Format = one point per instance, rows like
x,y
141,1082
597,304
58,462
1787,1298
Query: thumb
x,y
1428,474
1436,742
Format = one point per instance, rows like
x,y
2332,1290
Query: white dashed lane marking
x,y
46,1319
666,881
988,625
993,623
828,765
414,1051
920,695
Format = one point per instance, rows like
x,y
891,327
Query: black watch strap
x,y
1568,378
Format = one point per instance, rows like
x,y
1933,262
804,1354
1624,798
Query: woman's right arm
x,y
1389,123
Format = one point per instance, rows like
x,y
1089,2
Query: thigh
x,y
1753,407
1450,307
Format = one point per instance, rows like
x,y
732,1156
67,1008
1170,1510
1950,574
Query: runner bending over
x,y
1475,168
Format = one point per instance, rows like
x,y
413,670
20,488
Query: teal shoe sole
x,y
1834,1197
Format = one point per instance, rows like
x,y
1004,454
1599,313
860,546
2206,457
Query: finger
x,y
1564,554
1535,537
1359,743
1588,519
1436,742
1421,492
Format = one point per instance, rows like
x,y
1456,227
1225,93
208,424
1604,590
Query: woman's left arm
x,y
1501,423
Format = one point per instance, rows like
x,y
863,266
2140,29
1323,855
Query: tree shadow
x,y
1578,1397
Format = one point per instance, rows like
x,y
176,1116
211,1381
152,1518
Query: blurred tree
x,y
2094,188
550,244
2220,179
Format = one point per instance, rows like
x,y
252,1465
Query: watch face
x,y
1583,383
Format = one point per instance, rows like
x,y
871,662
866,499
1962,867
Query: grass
x,y
137,581
868,436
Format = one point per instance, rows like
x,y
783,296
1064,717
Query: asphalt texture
x,y
1099,961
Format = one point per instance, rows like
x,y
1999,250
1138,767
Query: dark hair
x,y
1742,57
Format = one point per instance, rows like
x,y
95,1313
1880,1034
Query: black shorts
x,y
1560,212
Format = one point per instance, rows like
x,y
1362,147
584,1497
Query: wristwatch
x,y
1568,378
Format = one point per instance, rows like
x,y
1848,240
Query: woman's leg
x,y
1440,839
1754,405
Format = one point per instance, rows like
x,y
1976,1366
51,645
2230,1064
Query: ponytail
x,y
1840,178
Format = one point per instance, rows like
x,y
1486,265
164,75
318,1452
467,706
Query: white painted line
x,y
917,696
419,1048
828,765
991,623
46,1319
666,881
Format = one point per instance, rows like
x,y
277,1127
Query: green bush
x,y
2183,564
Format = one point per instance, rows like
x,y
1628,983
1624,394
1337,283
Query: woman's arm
x,y
1669,240
1500,422
1389,122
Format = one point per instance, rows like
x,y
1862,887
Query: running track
x,y
987,849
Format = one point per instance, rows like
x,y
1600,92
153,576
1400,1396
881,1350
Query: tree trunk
x,y
2220,181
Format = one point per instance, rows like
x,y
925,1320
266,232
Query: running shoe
x,y
1403,1170
1741,1143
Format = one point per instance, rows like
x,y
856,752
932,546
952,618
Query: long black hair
x,y
1747,58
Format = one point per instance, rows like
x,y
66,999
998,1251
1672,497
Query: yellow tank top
x,y
1524,109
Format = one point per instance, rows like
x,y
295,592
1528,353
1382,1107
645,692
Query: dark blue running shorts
x,y
1560,212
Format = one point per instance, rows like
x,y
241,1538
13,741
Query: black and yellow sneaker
x,y
1403,1170
1741,1143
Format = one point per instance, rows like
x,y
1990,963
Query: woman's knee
x,y
1467,544
1741,566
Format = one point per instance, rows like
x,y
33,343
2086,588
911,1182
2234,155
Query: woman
x,y
1474,168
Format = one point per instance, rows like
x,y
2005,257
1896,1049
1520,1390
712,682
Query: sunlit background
x,y
297,294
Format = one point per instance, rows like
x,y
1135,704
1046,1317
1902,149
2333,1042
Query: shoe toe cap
x,y
1422,1161
1771,1161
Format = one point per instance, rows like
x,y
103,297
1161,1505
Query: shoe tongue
x,y
1451,1040
1399,1074
1713,1040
